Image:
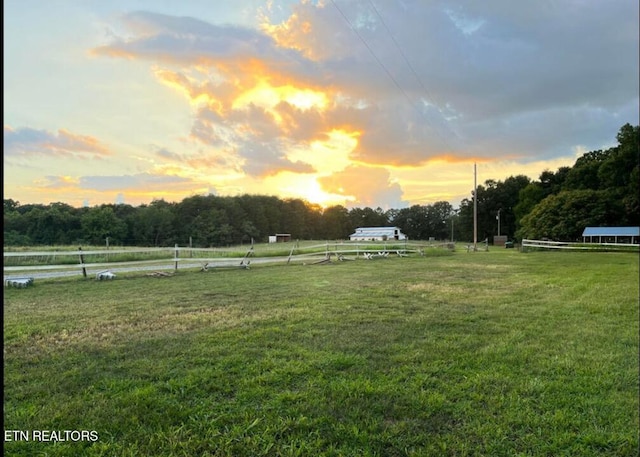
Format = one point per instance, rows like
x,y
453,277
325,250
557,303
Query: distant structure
x,y
280,238
377,234
627,235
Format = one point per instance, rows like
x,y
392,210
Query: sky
x,y
360,103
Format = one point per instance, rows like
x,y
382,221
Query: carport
x,y
617,235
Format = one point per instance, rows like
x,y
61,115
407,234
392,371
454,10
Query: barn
x,y
622,235
280,238
377,234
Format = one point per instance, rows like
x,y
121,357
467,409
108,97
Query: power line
x,y
373,54
399,48
406,60
395,82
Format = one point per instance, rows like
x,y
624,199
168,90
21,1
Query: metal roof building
x,y
377,234
629,235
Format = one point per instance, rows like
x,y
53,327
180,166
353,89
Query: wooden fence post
x,y
84,270
291,253
177,253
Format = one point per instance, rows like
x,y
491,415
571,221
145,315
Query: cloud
x,y
26,141
461,77
167,154
404,83
409,83
58,182
184,40
136,188
416,83
368,186
145,181
265,159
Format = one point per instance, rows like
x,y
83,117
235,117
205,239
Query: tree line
x,y
600,189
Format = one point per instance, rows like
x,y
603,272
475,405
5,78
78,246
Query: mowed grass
x,y
493,353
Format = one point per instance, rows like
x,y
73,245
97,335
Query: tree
x,y
438,220
100,222
496,197
552,182
367,217
413,221
193,219
564,216
264,212
294,218
57,223
15,226
528,198
619,172
465,219
584,173
206,228
129,215
10,205
249,231
154,224
336,224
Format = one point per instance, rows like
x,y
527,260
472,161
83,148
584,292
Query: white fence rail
x,y
544,244
42,263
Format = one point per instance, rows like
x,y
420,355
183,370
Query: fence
x,y
71,262
89,262
544,244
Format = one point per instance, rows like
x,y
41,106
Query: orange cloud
x,y
28,141
74,142
291,34
57,183
369,186
265,100
112,51
308,30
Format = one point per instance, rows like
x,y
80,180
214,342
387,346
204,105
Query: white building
x,y
377,234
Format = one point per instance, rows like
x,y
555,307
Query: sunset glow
x,y
267,97
382,104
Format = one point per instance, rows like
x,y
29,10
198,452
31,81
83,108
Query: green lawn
x,y
493,353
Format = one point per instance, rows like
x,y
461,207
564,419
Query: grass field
x,y
493,353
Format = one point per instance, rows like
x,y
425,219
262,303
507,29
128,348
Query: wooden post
x,y
246,256
84,270
291,253
190,247
177,253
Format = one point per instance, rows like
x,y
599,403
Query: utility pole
x,y
475,209
452,229
453,215
498,218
